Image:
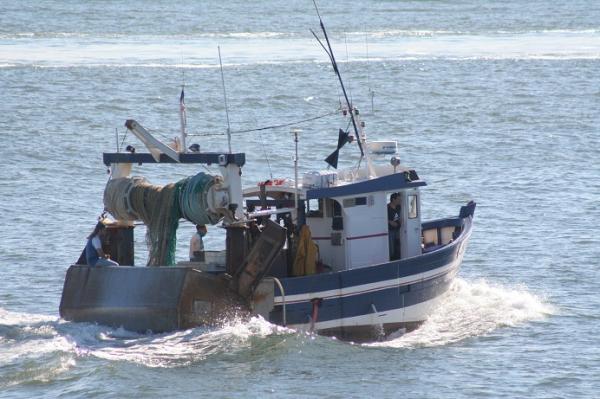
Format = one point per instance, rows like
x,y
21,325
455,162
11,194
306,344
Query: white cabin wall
x,y
330,255
366,220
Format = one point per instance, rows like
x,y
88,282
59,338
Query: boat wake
x,y
183,348
32,349
39,348
473,309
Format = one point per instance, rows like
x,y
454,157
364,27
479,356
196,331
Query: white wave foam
x,y
472,309
43,372
32,342
144,37
29,335
244,49
34,348
182,348
146,65
8,318
248,35
432,33
360,35
370,34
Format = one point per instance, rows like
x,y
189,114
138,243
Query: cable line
x,y
269,127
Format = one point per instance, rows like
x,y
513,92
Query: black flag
x,y
343,138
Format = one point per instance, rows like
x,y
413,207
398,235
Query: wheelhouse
x,y
347,215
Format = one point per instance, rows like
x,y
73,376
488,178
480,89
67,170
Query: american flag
x,y
182,109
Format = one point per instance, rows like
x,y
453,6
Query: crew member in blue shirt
x,y
94,254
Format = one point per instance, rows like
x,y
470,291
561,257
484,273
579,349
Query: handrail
x,y
282,298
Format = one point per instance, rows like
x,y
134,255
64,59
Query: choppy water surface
x,y
495,102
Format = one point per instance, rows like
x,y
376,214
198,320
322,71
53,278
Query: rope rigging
x,y
267,127
247,130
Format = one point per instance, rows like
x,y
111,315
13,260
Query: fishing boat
x,y
318,253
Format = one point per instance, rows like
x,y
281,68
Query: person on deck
x,y
94,254
393,210
196,244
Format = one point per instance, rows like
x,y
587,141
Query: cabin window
x,y
337,209
412,207
338,221
332,208
314,208
350,202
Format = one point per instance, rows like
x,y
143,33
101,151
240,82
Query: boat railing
x,y
439,233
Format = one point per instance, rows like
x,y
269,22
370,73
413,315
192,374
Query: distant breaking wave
x,y
129,36
384,33
266,47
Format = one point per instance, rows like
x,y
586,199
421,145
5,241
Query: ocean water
x,y
493,101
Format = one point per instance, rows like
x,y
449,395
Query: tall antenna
x,y
182,112
182,120
295,132
371,92
266,155
347,62
182,71
337,72
225,99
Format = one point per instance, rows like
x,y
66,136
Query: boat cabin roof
x,y
346,186
393,182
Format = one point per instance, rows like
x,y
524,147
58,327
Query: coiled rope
x,y
193,201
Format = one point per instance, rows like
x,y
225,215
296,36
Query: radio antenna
x,y
225,99
371,92
329,52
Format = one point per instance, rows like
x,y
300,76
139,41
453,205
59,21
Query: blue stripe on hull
x,y
360,304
